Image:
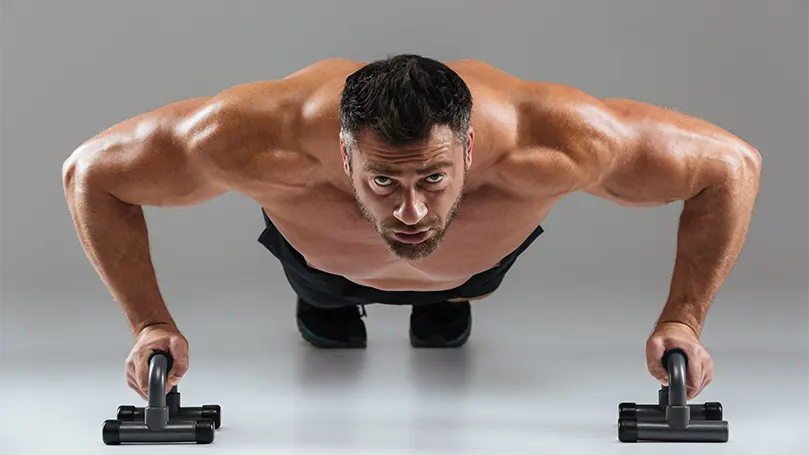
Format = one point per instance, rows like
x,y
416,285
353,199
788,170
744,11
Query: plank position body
x,y
407,181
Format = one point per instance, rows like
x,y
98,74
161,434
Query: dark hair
x,y
402,98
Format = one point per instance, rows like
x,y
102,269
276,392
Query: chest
x,y
328,229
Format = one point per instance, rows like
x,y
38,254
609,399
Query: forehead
x,y
439,151
421,168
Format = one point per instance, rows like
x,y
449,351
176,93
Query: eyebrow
x,y
380,168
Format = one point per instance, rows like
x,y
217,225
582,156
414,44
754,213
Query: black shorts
x,y
325,290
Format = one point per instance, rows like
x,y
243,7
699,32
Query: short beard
x,y
406,251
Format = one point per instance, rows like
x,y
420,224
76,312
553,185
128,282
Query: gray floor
x,y
538,374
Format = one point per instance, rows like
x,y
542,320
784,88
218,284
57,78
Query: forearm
x,y
114,237
712,229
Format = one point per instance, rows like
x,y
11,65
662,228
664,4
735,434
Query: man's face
x,y
409,194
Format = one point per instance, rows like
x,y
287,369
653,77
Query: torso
x,y
324,225
308,196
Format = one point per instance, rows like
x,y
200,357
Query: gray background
x,y
572,317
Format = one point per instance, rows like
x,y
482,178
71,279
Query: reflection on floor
x,y
537,382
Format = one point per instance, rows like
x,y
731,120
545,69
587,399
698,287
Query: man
x,y
407,181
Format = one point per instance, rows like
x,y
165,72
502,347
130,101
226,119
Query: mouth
x,y
412,238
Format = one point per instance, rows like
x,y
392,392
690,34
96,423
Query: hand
x,y
671,335
164,337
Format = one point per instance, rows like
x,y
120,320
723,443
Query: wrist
x,y
688,312
137,330
696,330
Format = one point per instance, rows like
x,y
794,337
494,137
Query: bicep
x,y
661,156
144,160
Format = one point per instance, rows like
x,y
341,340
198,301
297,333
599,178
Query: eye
x,y
435,178
382,181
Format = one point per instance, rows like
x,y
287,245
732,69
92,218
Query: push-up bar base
x,y
163,420
672,419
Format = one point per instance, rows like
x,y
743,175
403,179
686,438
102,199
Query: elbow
x,y
71,171
77,169
743,164
74,168
742,171
750,159
69,167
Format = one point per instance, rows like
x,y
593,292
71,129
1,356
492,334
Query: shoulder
x,y
259,125
566,138
266,107
548,137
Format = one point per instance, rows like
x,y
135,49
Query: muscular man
x,y
408,181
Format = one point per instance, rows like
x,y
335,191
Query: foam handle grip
x,y
671,352
169,360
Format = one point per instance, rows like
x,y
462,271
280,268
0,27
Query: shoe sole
x,y
326,343
440,343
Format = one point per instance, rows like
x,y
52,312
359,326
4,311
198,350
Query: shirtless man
x,y
407,181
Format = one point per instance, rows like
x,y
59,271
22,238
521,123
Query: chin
x,y
411,252
408,254
412,256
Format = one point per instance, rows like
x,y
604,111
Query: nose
x,y
411,210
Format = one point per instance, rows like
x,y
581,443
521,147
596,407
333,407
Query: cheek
x,y
371,201
446,204
440,205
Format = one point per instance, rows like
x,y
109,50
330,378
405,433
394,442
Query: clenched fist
x,y
163,337
674,335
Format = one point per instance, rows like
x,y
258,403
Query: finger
x,y
129,370
661,375
134,386
130,375
701,384
142,372
654,355
694,384
707,375
132,382
710,373
694,373
179,351
691,388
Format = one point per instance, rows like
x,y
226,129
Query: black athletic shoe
x,y
331,328
440,325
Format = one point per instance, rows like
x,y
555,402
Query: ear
x,y
346,159
470,143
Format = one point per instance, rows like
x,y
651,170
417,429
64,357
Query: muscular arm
x,y
636,154
147,160
669,156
